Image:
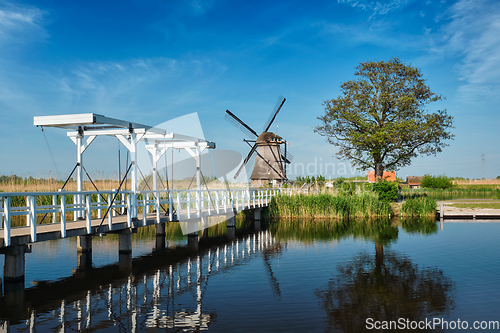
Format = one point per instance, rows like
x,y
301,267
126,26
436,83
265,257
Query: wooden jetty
x,y
451,215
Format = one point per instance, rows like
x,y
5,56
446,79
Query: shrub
x,y
430,181
387,191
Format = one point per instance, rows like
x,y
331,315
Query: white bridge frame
x,y
84,128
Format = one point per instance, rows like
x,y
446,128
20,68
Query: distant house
x,y
414,181
387,175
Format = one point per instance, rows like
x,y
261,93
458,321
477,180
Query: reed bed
x,y
328,205
417,207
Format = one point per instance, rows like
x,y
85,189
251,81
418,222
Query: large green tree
x,y
380,121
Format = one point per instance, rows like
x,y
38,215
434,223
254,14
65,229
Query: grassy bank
x,y
328,205
457,191
416,207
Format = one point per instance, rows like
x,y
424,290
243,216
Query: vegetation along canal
x,y
285,275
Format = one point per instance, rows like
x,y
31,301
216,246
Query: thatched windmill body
x,y
268,149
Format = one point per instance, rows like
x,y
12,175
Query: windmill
x,y
268,149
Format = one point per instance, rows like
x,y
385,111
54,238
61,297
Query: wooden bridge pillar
x,y
160,229
160,237
125,241
231,233
257,225
84,243
231,222
193,241
257,214
14,266
125,261
83,262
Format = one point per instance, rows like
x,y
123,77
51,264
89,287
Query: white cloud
x,y
376,7
201,6
474,34
17,21
140,84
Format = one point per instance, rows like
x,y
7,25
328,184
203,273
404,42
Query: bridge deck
x,y
52,231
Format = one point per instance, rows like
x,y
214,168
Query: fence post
x,y
170,205
99,210
189,204
54,204
7,216
88,212
225,201
63,214
130,202
217,200
158,208
237,200
75,196
209,203
31,200
111,212
179,206
198,203
144,208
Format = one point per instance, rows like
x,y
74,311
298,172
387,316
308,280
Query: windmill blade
x,y
238,123
277,108
248,168
249,156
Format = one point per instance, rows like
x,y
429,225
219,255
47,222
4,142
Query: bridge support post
x,y
193,241
231,233
14,266
204,227
257,214
84,243
83,261
231,222
125,261
125,241
231,227
125,249
160,236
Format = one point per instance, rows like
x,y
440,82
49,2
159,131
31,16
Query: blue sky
x,y
152,61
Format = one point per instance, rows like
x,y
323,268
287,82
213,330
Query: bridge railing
x,y
54,207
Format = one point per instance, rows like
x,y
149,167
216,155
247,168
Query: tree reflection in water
x,y
385,287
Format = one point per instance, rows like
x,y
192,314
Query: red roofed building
x,y
387,175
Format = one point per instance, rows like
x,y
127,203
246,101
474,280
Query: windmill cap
x,y
269,137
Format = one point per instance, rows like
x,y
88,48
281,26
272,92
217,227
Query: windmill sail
x,y
277,108
238,123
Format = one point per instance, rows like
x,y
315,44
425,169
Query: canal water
x,y
300,276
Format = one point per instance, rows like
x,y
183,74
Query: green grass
x,y
457,191
423,206
478,205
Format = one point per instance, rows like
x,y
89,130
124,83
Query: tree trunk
x,y
379,171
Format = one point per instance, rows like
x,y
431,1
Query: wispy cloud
x,y
474,34
376,7
18,20
133,83
200,6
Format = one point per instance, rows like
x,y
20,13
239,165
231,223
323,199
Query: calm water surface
x,y
287,277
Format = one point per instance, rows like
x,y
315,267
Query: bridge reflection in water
x,y
162,290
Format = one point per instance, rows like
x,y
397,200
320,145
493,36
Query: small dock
x,y
449,212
